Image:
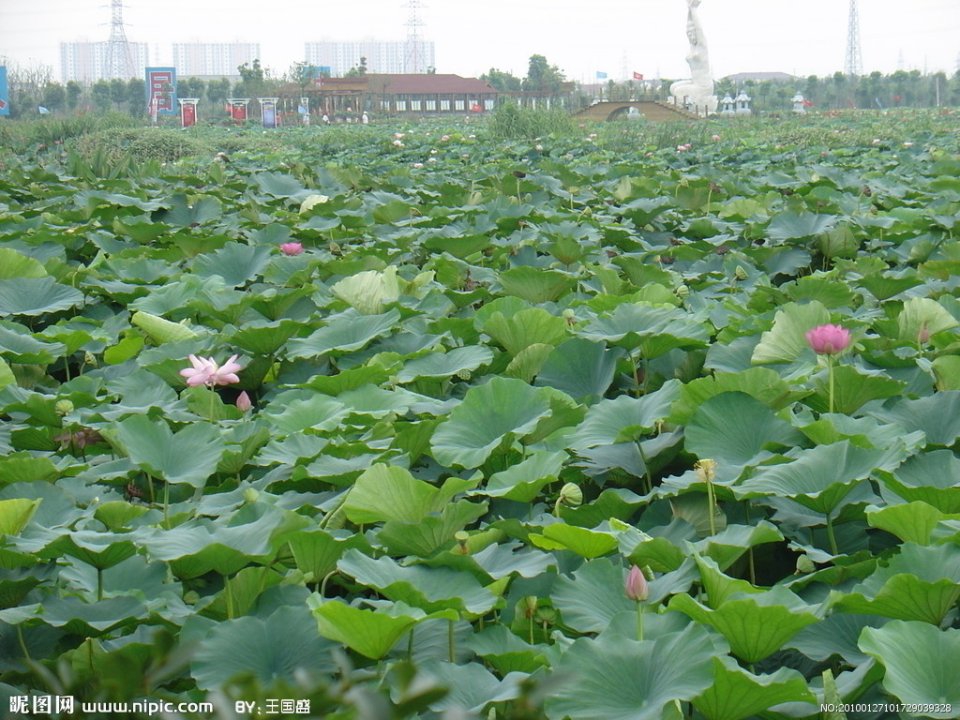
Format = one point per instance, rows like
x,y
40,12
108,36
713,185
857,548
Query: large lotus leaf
x,y
471,687
755,625
99,549
188,456
921,664
345,332
505,651
6,374
585,543
737,693
385,492
794,226
79,617
835,635
734,428
937,415
316,552
619,679
274,648
496,560
852,390
920,583
315,412
522,482
36,296
15,265
536,285
369,632
237,264
762,384
180,212
442,365
625,418
581,368
369,291
428,588
280,185
161,330
730,543
654,328
15,514
820,477
929,477
425,537
786,341
20,346
922,317
489,413
525,328
24,467
528,362
590,599
946,368
912,522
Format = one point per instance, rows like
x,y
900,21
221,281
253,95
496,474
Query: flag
x,y
808,103
301,109
601,75
637,76
42,110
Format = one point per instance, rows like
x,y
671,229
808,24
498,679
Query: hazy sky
x,y
580,36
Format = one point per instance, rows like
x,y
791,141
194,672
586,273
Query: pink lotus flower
x,y
291,248
636,585
205,371
244,404
828,339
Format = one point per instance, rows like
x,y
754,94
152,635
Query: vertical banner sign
x,y
4,92
188,112
238,109
162,90
268,111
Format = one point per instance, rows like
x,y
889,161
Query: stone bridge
x,y
649,109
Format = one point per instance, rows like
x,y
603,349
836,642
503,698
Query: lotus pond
x,y
521,429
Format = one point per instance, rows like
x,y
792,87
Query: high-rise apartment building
x,y
383,57
206,59
87,62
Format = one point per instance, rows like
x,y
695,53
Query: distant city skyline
x,y
615,37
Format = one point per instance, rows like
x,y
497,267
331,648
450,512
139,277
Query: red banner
x,y
188,114
637,76
239,112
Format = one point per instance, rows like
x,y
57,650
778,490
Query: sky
x,y
581,37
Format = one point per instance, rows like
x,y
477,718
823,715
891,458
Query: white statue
x,y
696,92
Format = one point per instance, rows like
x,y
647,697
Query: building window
x,y
385,105
488,104
431,105
401,105
444,105
415,105
458,105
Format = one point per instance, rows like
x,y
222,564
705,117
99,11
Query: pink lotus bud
x,y
828,339
244,403
636,585
291,248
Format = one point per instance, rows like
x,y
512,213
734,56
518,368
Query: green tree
x,y
301,73
74,91
136,96
118,92
502,80
101,95
542,77
218,91
357,71
54,96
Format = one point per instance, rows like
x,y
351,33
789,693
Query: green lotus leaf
x,y
912,522
345,332
734,428
443,365
593,596
369,291
580,368
852,390
755,625
654,329
795,226
620,679
923,317
785,342
24,467
189,456
278,647
16,265
496,560
728,545
79,617
161,330
425,537
505,651
820,477
921,662
762,384
536,285
528,362
314,412
430,589
835,635
624,418
279,185
937,415
488,414
919,583
181,212
316,552
36,296
6,374
585,543
471,687
21,347
237,264
737,693
930,478
15,514
523,481
523,329
946,368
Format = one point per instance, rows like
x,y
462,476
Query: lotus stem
x,y
451,642
23,645
99,584
830,535
229,595
166,505
830,374
711,507
410,642
640,607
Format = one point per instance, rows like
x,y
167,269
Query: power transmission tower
x,y
414,56
119,58
854,63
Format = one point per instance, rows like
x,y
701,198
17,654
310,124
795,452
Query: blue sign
x,y
161,91
4,92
